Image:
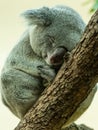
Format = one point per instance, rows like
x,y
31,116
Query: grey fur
x,y
32,62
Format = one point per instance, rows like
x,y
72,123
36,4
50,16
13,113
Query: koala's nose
x,y
57,57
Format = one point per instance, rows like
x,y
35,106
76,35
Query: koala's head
x,y
54,32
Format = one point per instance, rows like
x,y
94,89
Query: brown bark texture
x,y
73,126
71,86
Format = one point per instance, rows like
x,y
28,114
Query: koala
x,y
33,63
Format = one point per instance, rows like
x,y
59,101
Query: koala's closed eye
x,y
51,40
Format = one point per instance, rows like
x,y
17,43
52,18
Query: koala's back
x,y
21,85
22,57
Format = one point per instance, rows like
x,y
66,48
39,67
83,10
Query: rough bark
x,y
73,126
71,86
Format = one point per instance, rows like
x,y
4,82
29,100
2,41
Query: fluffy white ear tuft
x,y
40,16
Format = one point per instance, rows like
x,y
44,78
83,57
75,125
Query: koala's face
x,y
49,43
54,32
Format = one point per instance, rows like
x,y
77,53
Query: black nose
x,y
57,57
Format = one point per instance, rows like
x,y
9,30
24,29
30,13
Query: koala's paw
x,y
46,73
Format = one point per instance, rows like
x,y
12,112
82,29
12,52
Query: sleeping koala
x,y
35,60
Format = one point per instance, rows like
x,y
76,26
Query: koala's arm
x,y
24,59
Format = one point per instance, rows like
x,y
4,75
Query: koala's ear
x,y
40,16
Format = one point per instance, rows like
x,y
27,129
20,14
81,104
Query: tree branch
x,y
73,126
71,86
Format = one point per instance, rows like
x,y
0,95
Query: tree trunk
x,y
71,86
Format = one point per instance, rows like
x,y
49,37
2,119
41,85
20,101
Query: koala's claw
x,y
47,73
40,66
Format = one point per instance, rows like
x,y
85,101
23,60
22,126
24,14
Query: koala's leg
x,y
19,91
